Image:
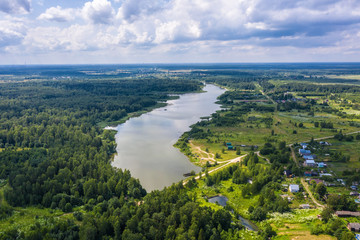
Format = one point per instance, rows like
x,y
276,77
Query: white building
x,y
294,188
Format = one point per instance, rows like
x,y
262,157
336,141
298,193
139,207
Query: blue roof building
x,y
308,157
303,152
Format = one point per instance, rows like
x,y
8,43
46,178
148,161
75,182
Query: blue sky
x,y
176,31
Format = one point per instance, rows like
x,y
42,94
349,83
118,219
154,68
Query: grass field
x,y
355,77
349,148
236,201
250,134
296,225
23,218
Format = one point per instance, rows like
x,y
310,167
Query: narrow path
x,y
293,155
210,156
267,96
306,187
235,160
258,153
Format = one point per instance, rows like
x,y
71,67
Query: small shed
x,y
354,227
228,144
347,214
325,175
305,206
230,147
294,188
307,174
309,157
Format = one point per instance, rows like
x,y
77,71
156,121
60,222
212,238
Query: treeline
x,y
316,88
231,78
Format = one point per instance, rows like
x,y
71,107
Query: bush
x,y
258,214
78,216
68,207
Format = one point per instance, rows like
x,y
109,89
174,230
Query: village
x,y
301,191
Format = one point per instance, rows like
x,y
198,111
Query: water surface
x,y
222,201
145,144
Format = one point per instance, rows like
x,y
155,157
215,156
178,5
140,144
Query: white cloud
x,y
131,10
184,27
12,32
15,6
58,14
98,12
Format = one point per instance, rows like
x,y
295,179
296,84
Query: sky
x,y
178,31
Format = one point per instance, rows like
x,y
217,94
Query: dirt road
x,y
306,186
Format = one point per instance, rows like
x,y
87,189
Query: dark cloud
x,y
15,6
9,37
131,9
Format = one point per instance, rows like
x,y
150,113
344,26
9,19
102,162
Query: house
x,y
325,175
294,188
304,145
353,187
341,181
230,148
347,214
354,227
303,152
228,144
307,174
321,165
309,163
308,157
329,184
354,194
304,206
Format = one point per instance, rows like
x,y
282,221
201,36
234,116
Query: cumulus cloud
x,y
98,11
58,14
131,10
12,32
15,6
219,20
180,26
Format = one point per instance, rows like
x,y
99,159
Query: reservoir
x,y
145,143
